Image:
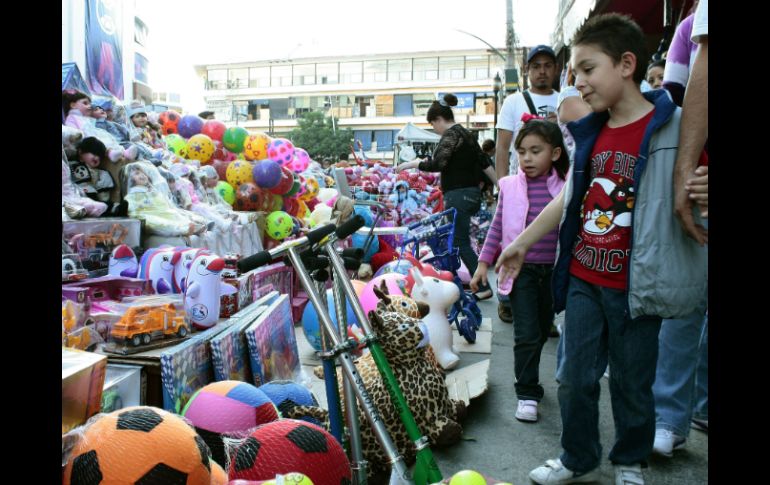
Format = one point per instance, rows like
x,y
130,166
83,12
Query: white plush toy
x,y
123,262
156,266
205,287
440,295
182,265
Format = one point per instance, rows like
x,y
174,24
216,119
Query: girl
x,y
543,163
456,157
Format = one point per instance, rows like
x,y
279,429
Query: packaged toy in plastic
x,y
145,191
153,320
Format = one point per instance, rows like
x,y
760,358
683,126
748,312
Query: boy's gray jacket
x,y
668,271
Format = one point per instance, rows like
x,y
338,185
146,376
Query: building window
x,y
217,79
451,68
279,109
237,78
342,106
402,104
259,109
363,107
421,103
400,70
304,74
375,71
426,69
384,105
351,72
477,67
384,139
259,77
280,76
327,73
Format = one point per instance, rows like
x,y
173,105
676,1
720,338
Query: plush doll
x,y
147,202
439,295
92,180
204,291
119,132
74,202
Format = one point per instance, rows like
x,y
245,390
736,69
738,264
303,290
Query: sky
x,y
185,33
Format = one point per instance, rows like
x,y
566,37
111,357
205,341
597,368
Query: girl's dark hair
x,y
551,134
659,63
69,96
437,109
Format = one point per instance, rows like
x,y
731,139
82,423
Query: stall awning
x,y
71,78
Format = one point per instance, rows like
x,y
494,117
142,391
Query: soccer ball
x,y
139,444
288,394
227,407
289,445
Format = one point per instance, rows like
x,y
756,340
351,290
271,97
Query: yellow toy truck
x,y
143,323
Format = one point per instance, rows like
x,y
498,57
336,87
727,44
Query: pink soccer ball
x,y
395,282
281,150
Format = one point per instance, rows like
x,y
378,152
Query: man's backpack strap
x,y
530,103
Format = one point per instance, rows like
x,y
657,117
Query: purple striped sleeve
x,y
494,235
543,251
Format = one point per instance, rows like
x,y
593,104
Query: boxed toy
x,y
229,352
94,239
82,381
231,304
122,387
273,345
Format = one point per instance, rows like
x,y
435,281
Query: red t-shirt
x,y
600,255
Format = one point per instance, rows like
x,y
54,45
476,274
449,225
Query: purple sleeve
x,y
494,235
678,59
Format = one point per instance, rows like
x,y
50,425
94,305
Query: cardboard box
x,y
122,387
94,239
82,382
232,304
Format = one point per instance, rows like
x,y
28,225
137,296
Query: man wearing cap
x,y
541,70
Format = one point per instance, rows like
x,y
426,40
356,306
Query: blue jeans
x,y
596,328
531,304
675,376
467,201
701,397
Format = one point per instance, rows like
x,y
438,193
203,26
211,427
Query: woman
x,y
457,158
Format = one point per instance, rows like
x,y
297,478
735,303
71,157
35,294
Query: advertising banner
x,y
104,55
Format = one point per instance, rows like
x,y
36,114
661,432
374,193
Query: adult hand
x,y
683,206
407,166
480,276
510,261
698,189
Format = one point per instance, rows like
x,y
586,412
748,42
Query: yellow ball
x,y
200,147
467,477
239,172
255,146
296,478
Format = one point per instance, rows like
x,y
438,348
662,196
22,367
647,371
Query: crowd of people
x,y
602,192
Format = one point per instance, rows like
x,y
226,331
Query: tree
x,y
316,135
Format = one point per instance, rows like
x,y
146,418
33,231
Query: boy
x,y
615,283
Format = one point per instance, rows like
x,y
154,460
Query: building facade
x,y
374,96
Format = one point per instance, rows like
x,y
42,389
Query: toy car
x,y
143,323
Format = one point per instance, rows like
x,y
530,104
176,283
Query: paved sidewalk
x,y
503,448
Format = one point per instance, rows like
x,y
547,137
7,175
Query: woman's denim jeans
x,y
674,389
467,201
596,328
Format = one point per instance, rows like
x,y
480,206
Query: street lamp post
x,y
496,86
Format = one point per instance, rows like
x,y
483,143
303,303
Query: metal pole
x,y
350,371
330,376
494,125
358,464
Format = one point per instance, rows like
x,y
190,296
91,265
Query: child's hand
x,y
510,261
698,189
479,276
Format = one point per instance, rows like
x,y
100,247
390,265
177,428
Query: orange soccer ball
x,y
139,444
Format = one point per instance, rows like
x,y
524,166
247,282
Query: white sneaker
x,y
666,442
554,473
527,411
628,475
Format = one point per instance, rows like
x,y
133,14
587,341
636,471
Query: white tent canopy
x,y
411,133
